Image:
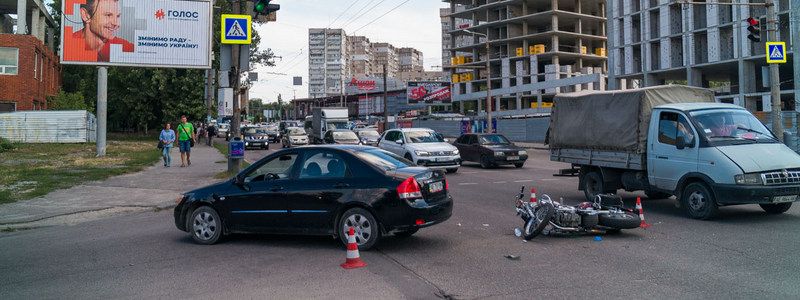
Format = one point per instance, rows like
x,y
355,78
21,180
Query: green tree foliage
x,y
67,101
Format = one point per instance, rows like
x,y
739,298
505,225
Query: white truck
x,y
324,119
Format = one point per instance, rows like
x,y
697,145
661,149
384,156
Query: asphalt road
x,y
743,254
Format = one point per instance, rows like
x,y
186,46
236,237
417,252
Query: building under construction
x,y
537,48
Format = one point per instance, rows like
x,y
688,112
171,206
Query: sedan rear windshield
x,y
344,135
383,159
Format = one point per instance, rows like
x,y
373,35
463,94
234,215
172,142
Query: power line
x,y
357,13
362,14
343,12
381,16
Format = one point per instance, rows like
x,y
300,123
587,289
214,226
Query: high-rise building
x,y
446,38
361,58
536,50
328,62
659,42
410,60
386,54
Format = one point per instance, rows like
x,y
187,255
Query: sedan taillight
x,y
409,189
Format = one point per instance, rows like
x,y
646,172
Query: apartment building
x,y
328,62
537,49
386,54
410,60
654,42
446,38
29,66
361,60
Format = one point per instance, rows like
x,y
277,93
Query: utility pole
x,y
234,164
774,74
385,100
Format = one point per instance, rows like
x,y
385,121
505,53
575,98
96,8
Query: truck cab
x,y
712,154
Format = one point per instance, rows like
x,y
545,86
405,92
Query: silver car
x,y
295,136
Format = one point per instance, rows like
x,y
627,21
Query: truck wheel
x,y
699,201
776,209
592,185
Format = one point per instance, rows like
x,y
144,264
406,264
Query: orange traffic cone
x,y
353,258
641,213
533,195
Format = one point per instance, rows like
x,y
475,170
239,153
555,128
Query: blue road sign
x,y
776,52
236,29
236,148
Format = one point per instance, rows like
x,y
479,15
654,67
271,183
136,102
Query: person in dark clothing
x,y
212,132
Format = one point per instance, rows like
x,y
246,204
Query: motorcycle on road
x,y
606,214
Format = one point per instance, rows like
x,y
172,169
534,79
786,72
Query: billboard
x,y
428,92
138,33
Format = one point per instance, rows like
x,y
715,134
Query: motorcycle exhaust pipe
x,y
564,228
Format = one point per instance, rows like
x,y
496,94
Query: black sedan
x,y
255,137
320,190
490,150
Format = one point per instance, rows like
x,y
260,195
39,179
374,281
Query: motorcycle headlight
x,y
499,153
748,179
522,152
422,153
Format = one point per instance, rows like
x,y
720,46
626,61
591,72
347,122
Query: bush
x,y
67,101
6,145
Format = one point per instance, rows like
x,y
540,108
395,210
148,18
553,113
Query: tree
x,y
67,101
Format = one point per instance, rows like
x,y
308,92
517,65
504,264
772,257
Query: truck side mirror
x,y
680,143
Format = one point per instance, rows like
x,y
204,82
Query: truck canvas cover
x,y
613,120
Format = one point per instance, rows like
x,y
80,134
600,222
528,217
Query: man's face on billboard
x,y
105,20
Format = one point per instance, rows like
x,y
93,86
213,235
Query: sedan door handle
x,y
276,188
662,157
341,185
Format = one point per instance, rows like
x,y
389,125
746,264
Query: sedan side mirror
x,y
446,140
399,142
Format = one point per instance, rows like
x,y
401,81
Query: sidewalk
x,y
156,187
535,146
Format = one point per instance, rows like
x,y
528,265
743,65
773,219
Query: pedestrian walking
x,y
167,138
186,138
212,132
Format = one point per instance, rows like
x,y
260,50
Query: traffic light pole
x,y
774,74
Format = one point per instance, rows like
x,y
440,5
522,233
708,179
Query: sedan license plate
x,y
512,158
782,199
436,187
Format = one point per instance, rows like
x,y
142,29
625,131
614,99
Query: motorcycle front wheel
x,y
624,220
541,217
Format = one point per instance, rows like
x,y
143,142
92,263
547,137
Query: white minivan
x,y
422,146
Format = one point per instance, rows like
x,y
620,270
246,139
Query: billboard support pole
x,y
102,110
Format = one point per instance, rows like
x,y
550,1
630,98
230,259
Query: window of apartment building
x,y
41,69
9,61
36,65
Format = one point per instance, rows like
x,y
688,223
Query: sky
x,y
415,23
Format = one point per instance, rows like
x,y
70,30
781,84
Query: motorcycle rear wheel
x,y
625,220
540,219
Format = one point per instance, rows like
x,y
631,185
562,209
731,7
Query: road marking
x,y
473,172
528,180
500,182
468,183
550,179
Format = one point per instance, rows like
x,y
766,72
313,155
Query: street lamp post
x,y
489,127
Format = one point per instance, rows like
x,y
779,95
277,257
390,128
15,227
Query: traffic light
x,y
263,7
754,29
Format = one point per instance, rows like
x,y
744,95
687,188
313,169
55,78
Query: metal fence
x,y
77,126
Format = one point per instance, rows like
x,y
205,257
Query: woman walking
x,y
167,138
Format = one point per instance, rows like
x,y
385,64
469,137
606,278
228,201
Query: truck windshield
x,y
721,125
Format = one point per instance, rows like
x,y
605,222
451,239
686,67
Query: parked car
x,y
222,130
490,150
255,137
320,190
295,136
341,136
368,136
423,146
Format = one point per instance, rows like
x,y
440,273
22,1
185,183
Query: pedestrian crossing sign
x,y
776,52
236,29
